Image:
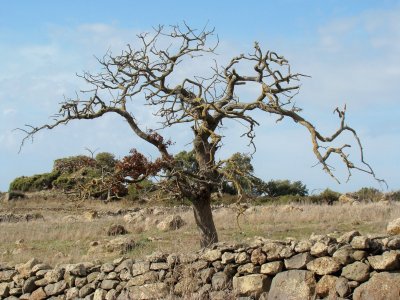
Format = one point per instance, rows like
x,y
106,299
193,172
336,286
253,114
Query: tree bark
x,y
205,222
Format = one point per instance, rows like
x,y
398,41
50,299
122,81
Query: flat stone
x,y
251,285
324,265
357,271
299,261
293,285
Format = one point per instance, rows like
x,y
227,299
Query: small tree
x,y
149,71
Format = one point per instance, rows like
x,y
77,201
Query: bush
x,y
106,161
137,191
73,163
369,194
327,196
275,188
34,183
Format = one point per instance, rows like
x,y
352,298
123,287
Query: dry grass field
x,y
65,234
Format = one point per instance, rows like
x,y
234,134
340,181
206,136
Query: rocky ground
x,y
61,233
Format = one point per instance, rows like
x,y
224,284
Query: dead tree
x,y
143,75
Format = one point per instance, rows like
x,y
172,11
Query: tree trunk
x,y
205,222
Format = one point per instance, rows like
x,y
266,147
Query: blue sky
x,y
350,48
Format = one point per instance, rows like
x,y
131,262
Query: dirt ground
x,y
69,229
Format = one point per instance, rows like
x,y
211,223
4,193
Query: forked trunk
x,y
205,222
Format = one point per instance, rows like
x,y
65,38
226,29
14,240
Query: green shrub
x,y
34,183
106,161
275,188
136,191
369,194
327,196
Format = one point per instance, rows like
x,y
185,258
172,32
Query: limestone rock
x,y
342,287
157,290
219,281
298,261
242,257
55,289
258,257
72,293
54,275
38,294
348,237
326,286
381,286
99,294
294,285
360,243
303,246
319,249
251,285
357,271
109,284
344,254
173,222
389,260
140,268
4,290
7,275
272,268
324,265
228,257
393,227
211,255
248,269
148,277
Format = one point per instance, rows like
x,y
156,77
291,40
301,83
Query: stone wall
x,y
349,267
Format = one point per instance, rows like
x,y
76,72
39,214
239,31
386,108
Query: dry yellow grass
x,y
55,240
